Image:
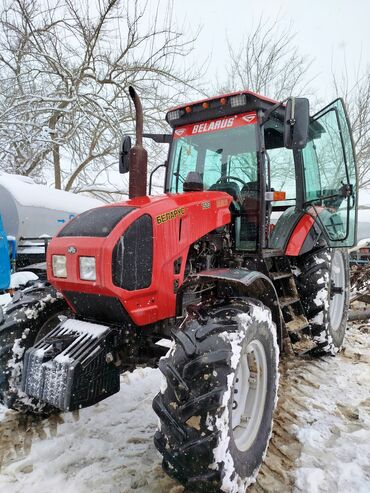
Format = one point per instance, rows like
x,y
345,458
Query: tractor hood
x,y
125,262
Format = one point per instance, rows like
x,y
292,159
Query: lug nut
x,y
109,358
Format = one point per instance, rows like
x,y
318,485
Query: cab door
x,y
330,177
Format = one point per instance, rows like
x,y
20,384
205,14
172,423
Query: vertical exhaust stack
x,y
138,155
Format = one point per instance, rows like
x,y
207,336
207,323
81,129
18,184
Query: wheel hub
x,y
337,290
249,395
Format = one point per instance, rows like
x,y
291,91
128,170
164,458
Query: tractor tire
x,y
216,405
323,284
32,314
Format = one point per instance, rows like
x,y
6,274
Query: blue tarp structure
x,y
4,259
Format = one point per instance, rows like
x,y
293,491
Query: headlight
x,y
175,115
239,100
87,268
59,265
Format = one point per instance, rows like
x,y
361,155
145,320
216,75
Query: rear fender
x,y
246,283
295,233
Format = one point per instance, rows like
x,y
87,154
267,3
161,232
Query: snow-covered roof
x,y
28,193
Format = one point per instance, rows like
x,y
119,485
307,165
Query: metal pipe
x,y
138,155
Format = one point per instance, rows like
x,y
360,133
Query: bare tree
x,y
267,61
65,69
357,99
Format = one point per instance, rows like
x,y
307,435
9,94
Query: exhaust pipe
x,y
138,155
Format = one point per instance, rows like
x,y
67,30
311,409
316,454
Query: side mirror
x,y
124,158
296,122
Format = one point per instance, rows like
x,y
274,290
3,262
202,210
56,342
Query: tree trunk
x,y
57,172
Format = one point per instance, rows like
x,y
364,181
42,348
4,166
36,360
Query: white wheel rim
x,y
337,299
249,395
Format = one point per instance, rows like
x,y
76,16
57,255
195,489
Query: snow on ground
x,y
321,439
335,454
108,449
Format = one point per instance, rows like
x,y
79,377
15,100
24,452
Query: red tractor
x,y
242,257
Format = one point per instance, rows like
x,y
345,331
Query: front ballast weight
x,y
72,367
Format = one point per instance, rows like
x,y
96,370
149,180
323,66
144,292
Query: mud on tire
x,y
323,284
31,315
204,443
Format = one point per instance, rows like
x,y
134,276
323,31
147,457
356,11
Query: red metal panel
x,y
299,235
198,212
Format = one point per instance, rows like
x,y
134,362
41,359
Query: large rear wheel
x,y
218,399
323,284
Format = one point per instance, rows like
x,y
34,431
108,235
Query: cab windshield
x,y
218,151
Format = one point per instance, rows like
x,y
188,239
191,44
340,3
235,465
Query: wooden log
x,y
358,315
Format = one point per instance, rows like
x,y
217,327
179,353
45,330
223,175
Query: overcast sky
x,y
329,31
335,33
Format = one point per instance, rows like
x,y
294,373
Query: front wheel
x,y
218,399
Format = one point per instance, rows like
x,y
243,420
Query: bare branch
x,y
357,99
267,61
65,72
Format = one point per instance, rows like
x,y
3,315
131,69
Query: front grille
x,y
132,261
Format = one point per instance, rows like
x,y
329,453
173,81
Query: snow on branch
x,y
65,69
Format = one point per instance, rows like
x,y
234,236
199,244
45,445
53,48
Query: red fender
x,y
299,235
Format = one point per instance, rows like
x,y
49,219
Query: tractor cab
x,y
279,165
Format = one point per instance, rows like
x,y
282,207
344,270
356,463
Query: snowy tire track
x,y
320,442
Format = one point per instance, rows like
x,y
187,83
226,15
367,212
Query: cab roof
x,y
228,95
218,106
